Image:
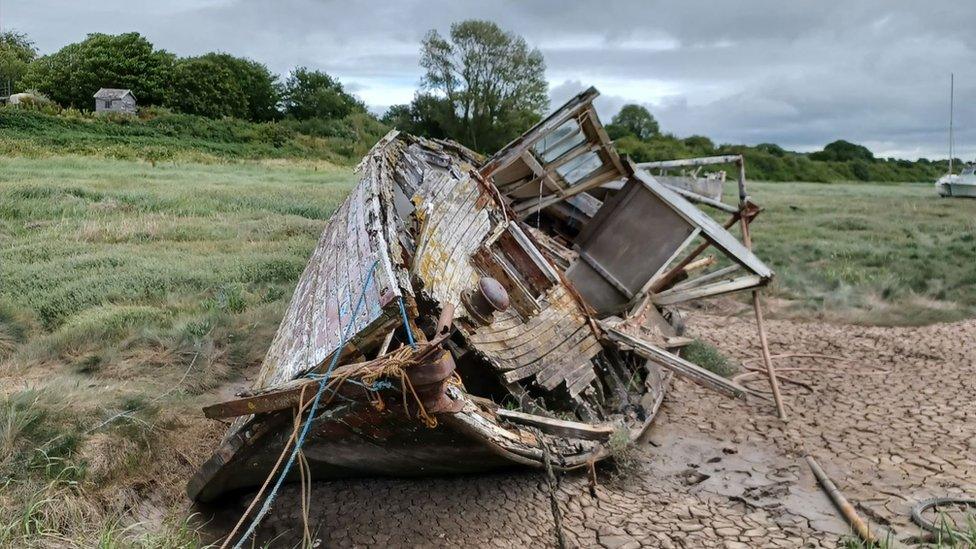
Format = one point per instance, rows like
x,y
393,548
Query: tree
x,y
75,72
425,115
842,151
315,94
399,116
16,53
700,144
260,88
633,120
207,87
771,148
484,86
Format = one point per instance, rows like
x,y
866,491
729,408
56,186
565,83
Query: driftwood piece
x,y
845,507
558,427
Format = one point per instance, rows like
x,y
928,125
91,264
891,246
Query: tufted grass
x,y
887,254
129,293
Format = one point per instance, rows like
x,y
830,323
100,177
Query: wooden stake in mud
x,y
841,502
756,305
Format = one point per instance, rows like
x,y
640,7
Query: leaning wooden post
x,y
756,305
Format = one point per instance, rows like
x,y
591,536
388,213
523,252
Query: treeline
x,y
482,86
214,85
637,135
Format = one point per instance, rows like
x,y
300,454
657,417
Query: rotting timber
x,y
495,307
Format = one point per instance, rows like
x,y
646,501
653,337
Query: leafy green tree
x,y
399,116
633,120
483,86
16,53
425,115
315,94
261,89
75,72
700,144
771,148
207,87
843,151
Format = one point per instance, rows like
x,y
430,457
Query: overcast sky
x,y
797,73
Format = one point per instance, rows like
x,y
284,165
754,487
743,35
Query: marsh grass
x,y
158,136
891,254
129,293
709,357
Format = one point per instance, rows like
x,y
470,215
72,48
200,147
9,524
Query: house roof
x,y
112,93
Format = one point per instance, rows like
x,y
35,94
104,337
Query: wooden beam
x,y
695,197
698,281
263,403
676,364
690,162
529,206
558,427
673,296
540,171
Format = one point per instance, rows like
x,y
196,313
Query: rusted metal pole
x,y
446,319
845,507
756,304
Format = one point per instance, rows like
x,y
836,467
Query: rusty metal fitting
x,y
429,381
483,301
446,319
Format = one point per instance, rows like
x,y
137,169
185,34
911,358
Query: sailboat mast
x,y
952,95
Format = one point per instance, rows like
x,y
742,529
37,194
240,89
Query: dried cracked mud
x,y
889,413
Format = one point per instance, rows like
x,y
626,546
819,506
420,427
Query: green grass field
x,y
130,293
134,290
868,253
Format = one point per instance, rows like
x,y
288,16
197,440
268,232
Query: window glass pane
x,y
558,141
580,167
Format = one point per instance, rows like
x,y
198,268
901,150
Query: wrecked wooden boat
x,y
460,315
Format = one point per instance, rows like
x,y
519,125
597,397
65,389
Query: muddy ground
x,y
889,415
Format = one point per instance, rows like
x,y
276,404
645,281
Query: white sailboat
x,y
964,183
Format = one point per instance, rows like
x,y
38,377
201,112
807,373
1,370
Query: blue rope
x,y
323,381
406,325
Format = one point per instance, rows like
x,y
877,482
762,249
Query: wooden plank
x,y
671,297
578,371
558,427
577,386
529,206
708,277
565,359
691,162
540,172
676,364
551,353
694,197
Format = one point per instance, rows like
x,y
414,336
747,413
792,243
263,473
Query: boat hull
x,y
957,190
